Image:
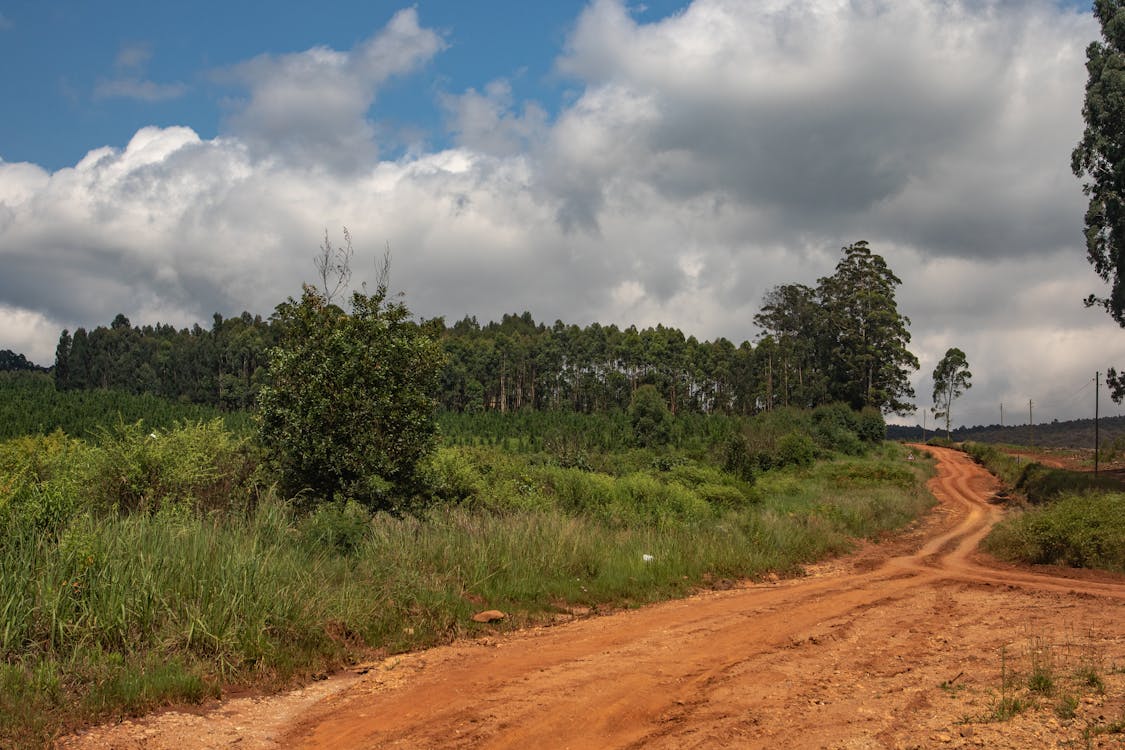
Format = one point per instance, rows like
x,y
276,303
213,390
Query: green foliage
x,y
738,458
194,465
867,358
1099,156
872,427
30,404
1080,530
795,449
350,408
951,379
649,418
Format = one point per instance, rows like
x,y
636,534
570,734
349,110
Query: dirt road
x,y
913,644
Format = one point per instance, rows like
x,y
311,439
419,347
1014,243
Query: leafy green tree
x,y
865,335
650,418
951,379
793,319
15,362
1099,158
350,409
1100,155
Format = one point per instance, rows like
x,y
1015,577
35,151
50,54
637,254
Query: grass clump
x,y
1079,530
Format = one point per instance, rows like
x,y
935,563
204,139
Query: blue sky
x,y
585,161
57,54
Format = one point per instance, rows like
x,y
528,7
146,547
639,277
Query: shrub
x,y
737,457
650,419
198,465
872,427
796,449
1079,530
350,410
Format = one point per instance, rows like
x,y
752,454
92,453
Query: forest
x,y
843,340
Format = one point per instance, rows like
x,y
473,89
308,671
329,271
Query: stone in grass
x,y
489,615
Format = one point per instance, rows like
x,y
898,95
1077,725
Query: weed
x,y
1067,706
1041,679
1087,676
1007,705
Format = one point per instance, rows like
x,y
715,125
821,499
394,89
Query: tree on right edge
x,y
951,379
1100,158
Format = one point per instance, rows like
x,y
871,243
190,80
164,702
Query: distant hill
x,y
1076,433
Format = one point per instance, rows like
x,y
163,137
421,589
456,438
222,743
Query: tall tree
x,y
1099,159
792,318
867,336
951,379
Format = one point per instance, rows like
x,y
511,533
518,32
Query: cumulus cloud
x,y
310,108
702,159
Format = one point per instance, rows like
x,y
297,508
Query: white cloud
x,y
310,108
29,333
705,158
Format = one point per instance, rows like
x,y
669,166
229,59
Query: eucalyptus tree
x,y
866,336
951,379
1099,159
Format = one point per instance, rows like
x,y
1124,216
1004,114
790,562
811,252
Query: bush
x,y
198,465
1080,530
796,449
650,418
872,426
737,457
350,411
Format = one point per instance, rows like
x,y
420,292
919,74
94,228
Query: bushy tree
x,y
350,409
650,418
951,379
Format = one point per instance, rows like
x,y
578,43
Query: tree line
x,y
841,341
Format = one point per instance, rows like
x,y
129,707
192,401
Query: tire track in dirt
x,y
847,659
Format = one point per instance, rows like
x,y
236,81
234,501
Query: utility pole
x,y
923,425
1030,423
1001,413
1097,444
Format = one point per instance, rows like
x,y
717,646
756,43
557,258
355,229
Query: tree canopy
x,y
951,379
349,408
1099,159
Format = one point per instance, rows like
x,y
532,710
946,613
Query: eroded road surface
x,y
917,643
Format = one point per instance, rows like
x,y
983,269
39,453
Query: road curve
x,y
903,645
682,673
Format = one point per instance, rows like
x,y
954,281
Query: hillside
x,y
1075,433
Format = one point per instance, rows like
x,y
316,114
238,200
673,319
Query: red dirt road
x,y
904,645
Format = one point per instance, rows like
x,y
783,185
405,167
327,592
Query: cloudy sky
x,y
628,164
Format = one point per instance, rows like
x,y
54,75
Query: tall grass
x,y
1082,530
1036,482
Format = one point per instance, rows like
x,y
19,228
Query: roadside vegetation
x,y
1073,518
156,551
147,565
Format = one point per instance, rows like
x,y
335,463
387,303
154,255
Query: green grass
x,y
1079,530
1036,482
105,612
